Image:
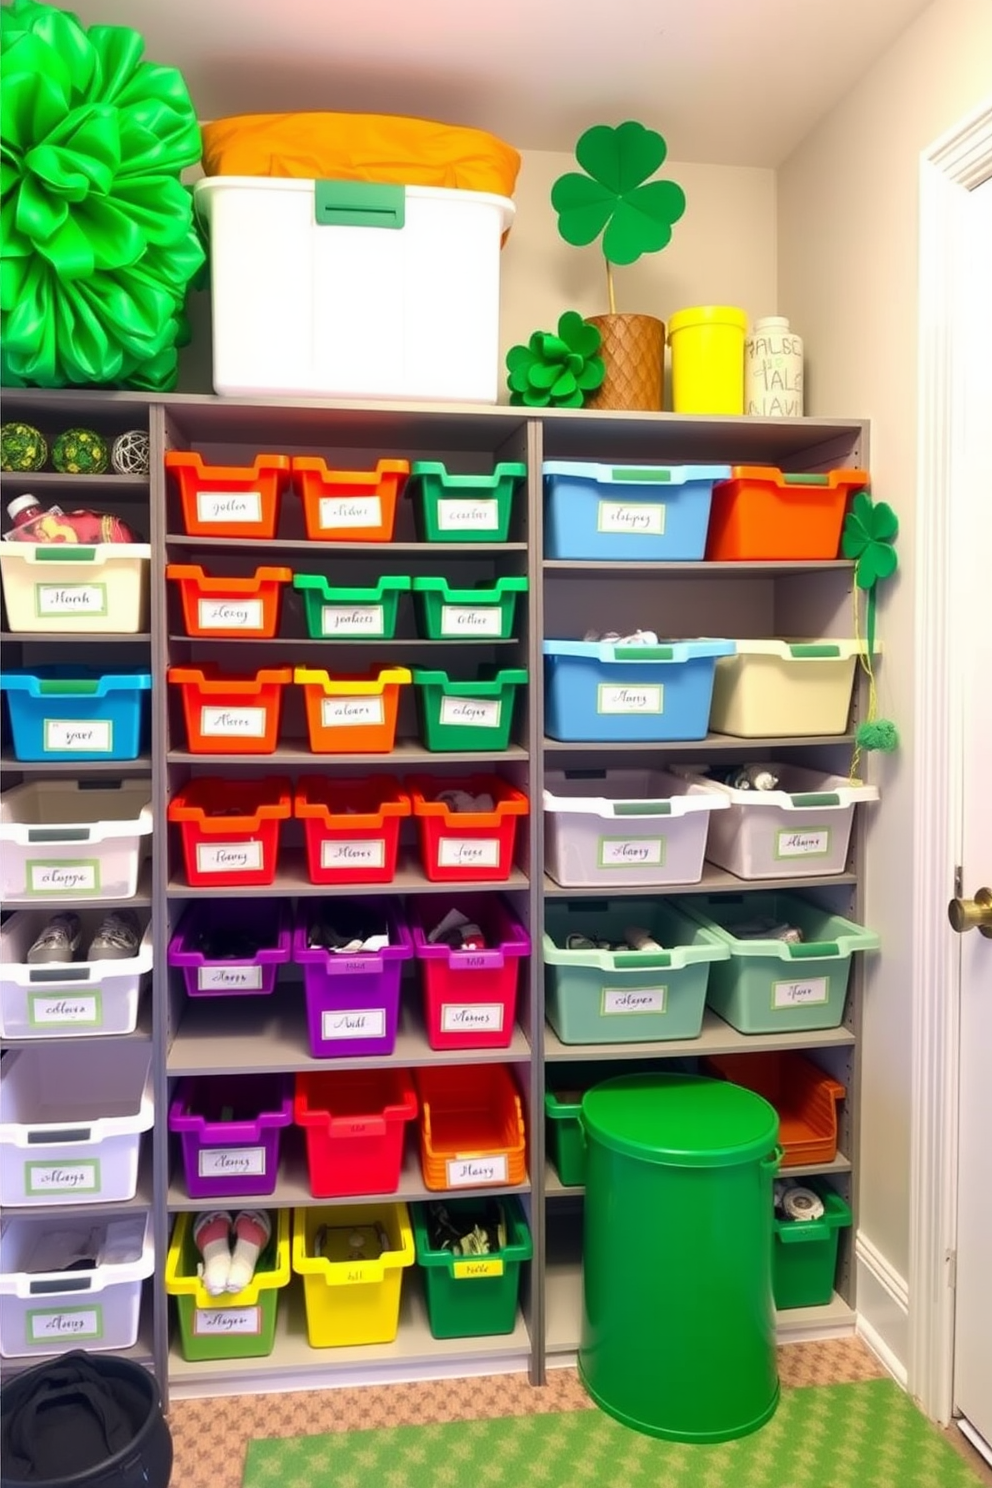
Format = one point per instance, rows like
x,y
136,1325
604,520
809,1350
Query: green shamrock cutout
x,y
869,532
615,196
556,370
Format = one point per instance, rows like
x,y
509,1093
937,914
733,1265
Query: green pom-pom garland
x,y
81,452
879,733
22,448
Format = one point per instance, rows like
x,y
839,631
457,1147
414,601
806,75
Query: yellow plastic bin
x,y
352,1301
241,1325
707,344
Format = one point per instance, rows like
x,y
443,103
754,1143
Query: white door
x,y
973,1321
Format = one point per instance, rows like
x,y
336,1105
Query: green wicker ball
x,y
81,452
22,447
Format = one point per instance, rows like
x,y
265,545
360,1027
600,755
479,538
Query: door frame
x,y
954,165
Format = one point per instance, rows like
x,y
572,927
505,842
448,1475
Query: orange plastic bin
x,y
349,505
230,608
762,514
229,500
804,1096
352,714
231,714
471,1127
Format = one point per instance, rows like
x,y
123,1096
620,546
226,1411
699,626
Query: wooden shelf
x,y
292,878
717,1037
714,881
406,754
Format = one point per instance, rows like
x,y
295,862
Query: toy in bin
x,y
36,524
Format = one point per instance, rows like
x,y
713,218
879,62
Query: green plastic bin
x,y
678,1325
565,1140
242,1326
343,613
472,715
772,986
625,997
473,1296
805,1252
463,508
484,613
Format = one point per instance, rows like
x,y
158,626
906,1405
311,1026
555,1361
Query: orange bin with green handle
x,y
762,514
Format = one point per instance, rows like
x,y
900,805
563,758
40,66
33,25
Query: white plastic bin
x,y
796,688
93,1307
67,999
102,588
67,840
802,827
71,1124
353,289
622,827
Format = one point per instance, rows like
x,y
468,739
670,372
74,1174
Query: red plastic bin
x,y
228,714
349,505
466,846
230,608
470,997
352,827
761,513
355,1125
229,500
230,829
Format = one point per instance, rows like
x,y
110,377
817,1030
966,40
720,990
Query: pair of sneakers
x,y
117,937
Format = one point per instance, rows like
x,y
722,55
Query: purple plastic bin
x,y
470,996
269,920
229,1126
352,1000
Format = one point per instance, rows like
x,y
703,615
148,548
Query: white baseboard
x,y
883,1309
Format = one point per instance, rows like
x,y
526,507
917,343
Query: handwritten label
x,y
476,1017
211,1322
617,1000
91,737
480,1266
341,854
229,506
232,723
353,620
65,1322
476,1172
355,1023
643,518
468,852
231,1162
471,712
460,516
228,857
632,852
70,599
350,511
230,614
229,978
48,1009
801,994
471,620
352,712
610,699
63,878
77,1177
810,844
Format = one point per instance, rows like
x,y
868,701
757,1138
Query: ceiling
x,y
731,82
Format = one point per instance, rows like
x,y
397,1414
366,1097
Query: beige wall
x,y
847,250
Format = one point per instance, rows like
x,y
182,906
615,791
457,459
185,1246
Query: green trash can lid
x,y
680,1120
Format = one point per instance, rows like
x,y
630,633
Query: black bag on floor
x,y
84,1421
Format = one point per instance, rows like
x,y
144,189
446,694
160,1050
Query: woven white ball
x,y
130,453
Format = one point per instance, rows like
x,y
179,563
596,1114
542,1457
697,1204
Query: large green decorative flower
x,y
615,197
98,240
556,370
869,533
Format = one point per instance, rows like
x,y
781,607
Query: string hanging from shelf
x,y
870,531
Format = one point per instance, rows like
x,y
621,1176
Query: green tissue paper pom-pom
x,y
880,734
22,447
81,452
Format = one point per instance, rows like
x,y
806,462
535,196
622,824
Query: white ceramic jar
x,y
773,369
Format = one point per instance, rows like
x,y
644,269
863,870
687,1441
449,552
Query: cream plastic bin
x,y
70,1127
61,840
621,827
796,688
67,999
353,289
803,827
94,1307
102,588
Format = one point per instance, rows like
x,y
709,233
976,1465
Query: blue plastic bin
x,y
644,512
75,712
601,692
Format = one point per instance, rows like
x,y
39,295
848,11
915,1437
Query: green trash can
x,y
678,1327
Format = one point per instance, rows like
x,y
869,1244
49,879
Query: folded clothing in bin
x,y
76,713
612,691
805,1097
232,947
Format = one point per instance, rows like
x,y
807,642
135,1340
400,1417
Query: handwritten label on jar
x,y
70,599
70,734
63,878
231,1162
64,1322
479,1266
813,843
617,1000
352,620
228,857
463,516
73,1177
344,855
232,723
354,1023
631,852
230,614
229,506
801,994
472,1172
471,712
645,519
465,852
611,699
229,978
475,1017
48,1009
471,620
352,712
209,1322
338,512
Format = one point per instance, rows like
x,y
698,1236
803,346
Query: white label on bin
x,y
48,1009
640,517
353,620
462,516
338,854
352,712
353,1023
808,844
474,1017
801,994
70,599
617,1000
229,506
230,614
613,699
211,1322
471,712
231,1162
228,857
473,1172
82,877
94,736
44,1324
229,978
471,620
78,1175
468,852
631,852
350,511
232,723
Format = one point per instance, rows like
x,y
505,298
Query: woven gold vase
x,y
633,353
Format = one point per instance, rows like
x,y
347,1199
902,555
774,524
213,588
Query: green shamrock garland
x,y
556,371
868,536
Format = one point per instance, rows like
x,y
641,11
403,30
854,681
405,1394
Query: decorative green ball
x,y
22,447
81,452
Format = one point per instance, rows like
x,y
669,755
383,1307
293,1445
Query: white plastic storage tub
x,y
801,827
67,999
46,1309
353,289
796,688
101,588
73,839
70,1127
623,827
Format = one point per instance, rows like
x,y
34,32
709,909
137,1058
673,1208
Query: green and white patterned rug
x,y
866,1435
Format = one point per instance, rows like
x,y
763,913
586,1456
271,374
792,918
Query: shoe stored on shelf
x,y
58,941
118,937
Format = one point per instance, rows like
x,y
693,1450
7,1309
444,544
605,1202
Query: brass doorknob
x,y
967,914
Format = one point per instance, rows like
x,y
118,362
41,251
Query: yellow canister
x,y
708,359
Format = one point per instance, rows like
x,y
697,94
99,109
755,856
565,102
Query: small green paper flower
x,y
615,197
869,532
556,370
